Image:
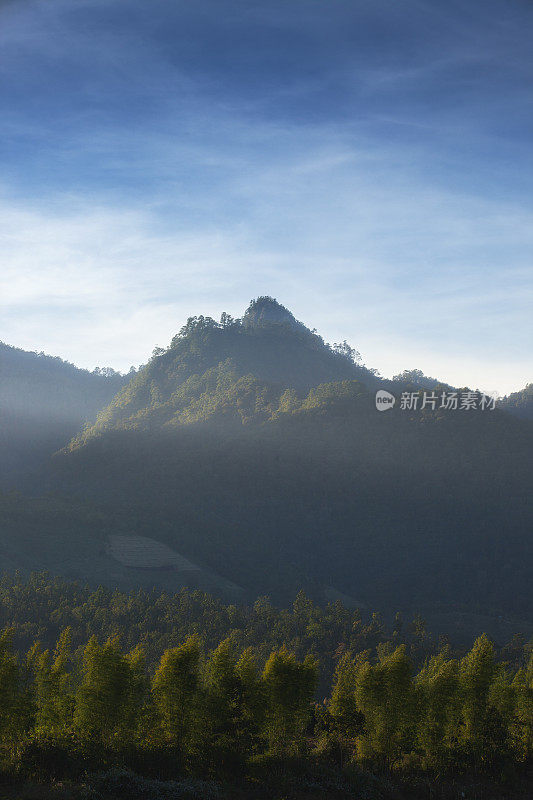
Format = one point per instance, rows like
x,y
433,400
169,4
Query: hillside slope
x,y
44,401
268,345
226,449
519,403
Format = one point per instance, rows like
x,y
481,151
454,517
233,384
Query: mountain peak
x,y
267,310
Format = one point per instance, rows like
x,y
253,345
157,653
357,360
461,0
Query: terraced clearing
x,y
163,565
140,552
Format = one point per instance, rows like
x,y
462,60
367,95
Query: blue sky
x,y
369,163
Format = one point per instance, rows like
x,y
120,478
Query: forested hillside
x,y
248,462
204,700
520,403
267,348
253,452
225,448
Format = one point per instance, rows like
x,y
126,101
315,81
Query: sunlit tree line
x,y
470,712
216,711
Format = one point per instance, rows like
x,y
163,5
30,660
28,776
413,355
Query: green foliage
x,y
234,706
225,705
343,705
437,687
289,689
107,699
177,693
522,729
385,696
54,686
484,731
12,698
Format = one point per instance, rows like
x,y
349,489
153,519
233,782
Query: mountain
x,y
44,401
254,450
254,360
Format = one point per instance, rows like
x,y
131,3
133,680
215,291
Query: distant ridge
x,y
44,401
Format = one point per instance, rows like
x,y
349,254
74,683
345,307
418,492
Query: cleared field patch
x,y
140,552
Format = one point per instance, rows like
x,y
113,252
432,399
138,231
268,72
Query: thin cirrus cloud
x,y
370,168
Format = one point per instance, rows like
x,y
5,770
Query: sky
x,y
368,163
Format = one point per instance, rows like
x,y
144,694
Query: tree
x,y
54,687
416,377
177,692
522,729
347,719
345,350
226,320
288,401
231,706
439,704
289,689
103,710
385,696
13,699
138,712
483,731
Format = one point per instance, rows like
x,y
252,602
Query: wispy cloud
x,y
172,160
108,280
